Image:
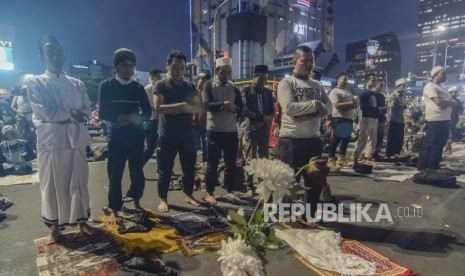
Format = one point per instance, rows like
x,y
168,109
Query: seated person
x,y
24,131
15,154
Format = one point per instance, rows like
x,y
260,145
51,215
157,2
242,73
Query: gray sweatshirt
x,y
214,94
299,97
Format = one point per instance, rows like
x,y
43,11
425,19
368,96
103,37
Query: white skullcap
x,y
435,70
452,88
400,81
224,61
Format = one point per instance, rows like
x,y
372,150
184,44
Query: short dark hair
x,y
154,71
45,40
340,75
301,49
175,54
369,75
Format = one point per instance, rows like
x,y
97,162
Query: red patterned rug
x,y
77,254
384,265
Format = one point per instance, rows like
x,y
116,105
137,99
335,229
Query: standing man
x,y
199,119
380,130
342,121
121,100
438,109
60,106
302,109
370,108
457,111
176,100
151,126
258,111
397,106
21,104
223,101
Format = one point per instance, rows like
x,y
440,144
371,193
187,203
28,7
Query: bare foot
x,y
86,229
210,199
112,217
192,201
54,236
249,193
232,197
163,206
137,204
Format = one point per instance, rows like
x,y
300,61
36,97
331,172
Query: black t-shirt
x,y
369,104
175,93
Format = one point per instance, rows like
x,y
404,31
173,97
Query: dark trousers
x,y
436,134
395,138
296,152
256,146
151,138
217,143
380,130
169,146
117,157
200,135
334,142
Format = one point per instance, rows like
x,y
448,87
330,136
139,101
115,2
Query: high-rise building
x,y
379,55
255,32
440,40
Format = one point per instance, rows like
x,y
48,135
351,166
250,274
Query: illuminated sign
x,y
305,3
299,29
6,43
6,58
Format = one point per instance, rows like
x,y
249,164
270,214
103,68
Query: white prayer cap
x,y
452,89
400,81
435,70
224,61
7,129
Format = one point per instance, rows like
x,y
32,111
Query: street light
x,y
213,27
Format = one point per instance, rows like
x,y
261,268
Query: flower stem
x,y
255,210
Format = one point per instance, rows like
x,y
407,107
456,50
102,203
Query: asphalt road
x,y
431,245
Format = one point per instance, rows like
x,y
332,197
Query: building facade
x,y
255,32
380,55
440,38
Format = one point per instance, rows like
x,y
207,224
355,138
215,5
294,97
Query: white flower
x,y
239,259
275,178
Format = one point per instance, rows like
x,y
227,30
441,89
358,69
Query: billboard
x,y
6,58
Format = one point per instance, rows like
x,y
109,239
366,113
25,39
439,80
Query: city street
x,y
433,244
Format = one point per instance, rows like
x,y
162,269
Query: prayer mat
x,y
224,204
199,244
78,254
386,171
161,238
19,179
197,223
384,266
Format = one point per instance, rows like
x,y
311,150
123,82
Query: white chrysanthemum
x,y
275,178
238,259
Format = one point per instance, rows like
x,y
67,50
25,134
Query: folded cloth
x,y
130,227
142,266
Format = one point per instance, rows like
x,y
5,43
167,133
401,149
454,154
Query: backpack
x,y
438,177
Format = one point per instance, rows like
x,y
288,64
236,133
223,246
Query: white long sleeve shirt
x,y
53,99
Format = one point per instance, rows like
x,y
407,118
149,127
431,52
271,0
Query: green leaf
x,y
236,218
295,190
237,229
258,217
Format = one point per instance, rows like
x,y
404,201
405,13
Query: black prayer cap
x,y
260,69
45,40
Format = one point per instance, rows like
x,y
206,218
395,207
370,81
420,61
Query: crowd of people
x,y
172,115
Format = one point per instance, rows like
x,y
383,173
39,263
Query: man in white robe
x,y
60,107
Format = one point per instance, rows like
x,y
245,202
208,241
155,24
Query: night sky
x,y
93,29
